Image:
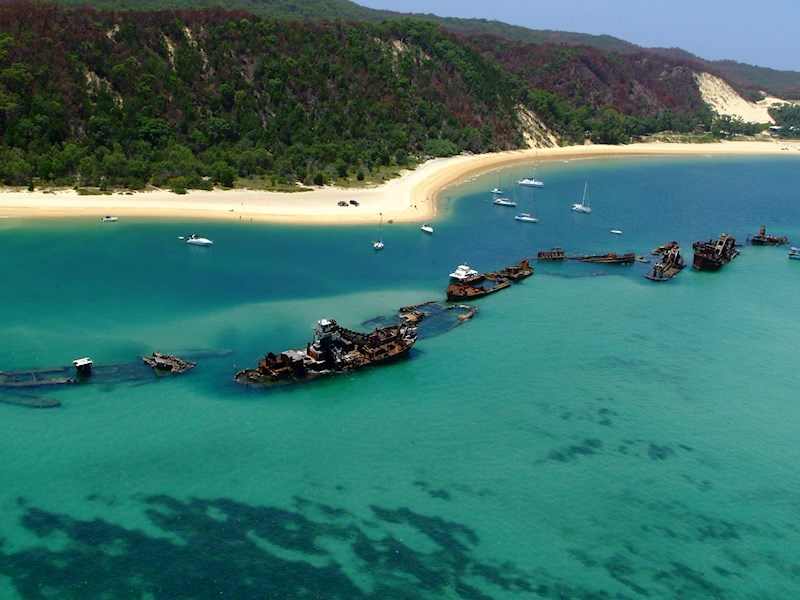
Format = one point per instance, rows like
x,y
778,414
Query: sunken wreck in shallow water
x,y
762,239
334,349
670,264
714,254
484,284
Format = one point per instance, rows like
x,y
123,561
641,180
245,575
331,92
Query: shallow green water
x,y
590,434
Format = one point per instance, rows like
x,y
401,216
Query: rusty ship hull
x,y
714,254
334,350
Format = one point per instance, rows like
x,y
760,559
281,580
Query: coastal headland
x,y
411,197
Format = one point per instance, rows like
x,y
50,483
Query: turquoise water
x,y
590,434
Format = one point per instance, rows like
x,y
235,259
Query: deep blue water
x,y
590,434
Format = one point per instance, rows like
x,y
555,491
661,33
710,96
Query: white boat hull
x,y
531,182
526,218
199,241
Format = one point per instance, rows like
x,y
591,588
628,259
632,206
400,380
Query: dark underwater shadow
x,y
222,548
226,549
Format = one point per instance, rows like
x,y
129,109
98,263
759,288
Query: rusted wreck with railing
x,y
334,349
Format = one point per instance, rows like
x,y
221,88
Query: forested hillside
x,y
190,99
127,98
748,80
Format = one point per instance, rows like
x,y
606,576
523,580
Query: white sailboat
x,y
377,243
523,216
583,205
532,181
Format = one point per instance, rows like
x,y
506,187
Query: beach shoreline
x,y
408,198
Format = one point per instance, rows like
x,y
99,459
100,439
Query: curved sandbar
x,y
409,198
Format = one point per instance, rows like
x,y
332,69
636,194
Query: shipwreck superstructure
x,y
714,254
334,349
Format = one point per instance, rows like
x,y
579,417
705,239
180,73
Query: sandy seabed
x,y
408,198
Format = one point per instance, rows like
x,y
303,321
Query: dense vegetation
x,y
748,80
176,98
584,92
787,117
196,98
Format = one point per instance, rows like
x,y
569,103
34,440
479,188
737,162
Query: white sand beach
x,y
408,198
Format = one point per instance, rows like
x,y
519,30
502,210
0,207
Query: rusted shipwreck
x,y
16,385
762,239
714,254
334,349
671,263
167,363
488,283
610,258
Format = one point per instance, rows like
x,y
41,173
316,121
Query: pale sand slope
x,y
409,198
725,101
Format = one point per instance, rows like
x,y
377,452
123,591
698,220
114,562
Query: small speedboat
x,y
463,272
427,228
377,245
497,191
616,232
504,202
109,218
794,253
526,218
198,241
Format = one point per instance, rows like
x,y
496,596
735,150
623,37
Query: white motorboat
x,y
504,202
794,253
616,232
427,228
198,241
463,272
531,182
109,218
583,205
497,191
377,245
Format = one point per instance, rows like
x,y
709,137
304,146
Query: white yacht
x,y
526,218
198,241
463,272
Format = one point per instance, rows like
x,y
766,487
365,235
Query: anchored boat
x,y
484,284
